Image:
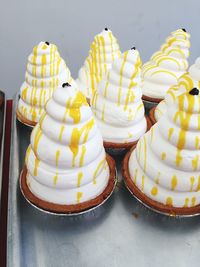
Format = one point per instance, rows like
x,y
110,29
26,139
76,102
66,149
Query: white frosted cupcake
x,y
163,170
63,172
117,103
45,71
103,50
166,66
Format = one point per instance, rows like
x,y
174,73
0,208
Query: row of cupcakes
x,y
66,156
46,70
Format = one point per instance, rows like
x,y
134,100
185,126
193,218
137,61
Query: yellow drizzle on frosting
x,y
28,151
154,191
186,202
163,157
145,154
192,180
75,138
143,182
170,132
169,201
55,179
184,120
80,176
82,156
174,182
135,175
121,76
79,195
36,166
57,156
193,201
37,139
101,163
61,132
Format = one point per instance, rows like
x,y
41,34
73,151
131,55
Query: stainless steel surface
x,y
149,105
120,233
2,129
26,124
116,151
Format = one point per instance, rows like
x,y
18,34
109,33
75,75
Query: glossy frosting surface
x,y
103,50
117,103
166,65
185,83
45,71
66,159
165,165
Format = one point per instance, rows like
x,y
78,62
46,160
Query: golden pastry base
x,y
69,209
151,99
152,115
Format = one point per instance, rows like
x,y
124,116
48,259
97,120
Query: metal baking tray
x,y
122,232
2,124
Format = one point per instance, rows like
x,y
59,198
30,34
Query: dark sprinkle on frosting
x,y
106,29
47,43
184,30
194,91
66,84
133,48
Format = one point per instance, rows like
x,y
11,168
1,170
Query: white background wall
x,y
72,25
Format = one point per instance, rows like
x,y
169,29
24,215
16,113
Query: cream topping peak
x,y
117,103
103,50
63,166
45,71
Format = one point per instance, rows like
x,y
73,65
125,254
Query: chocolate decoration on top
x,y
106,29
184,30
194,91
133,48
65,84
47,43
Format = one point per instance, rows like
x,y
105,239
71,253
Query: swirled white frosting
x,y
117,103
165,165
166,65
103,50
45,71
185,83
63,166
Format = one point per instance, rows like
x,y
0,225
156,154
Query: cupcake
x,y
185,83
165,67
63,172
117,103
163,170
103,50
45,71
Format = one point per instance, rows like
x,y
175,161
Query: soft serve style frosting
x,y
166,65
185,83
63,166
45,71
165,165
117,103
103,50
